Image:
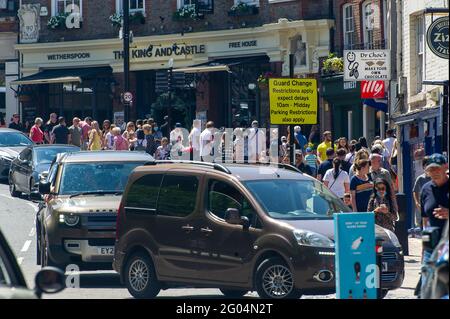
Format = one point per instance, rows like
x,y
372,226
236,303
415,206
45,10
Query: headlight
x,y
69,219
309,238
393,238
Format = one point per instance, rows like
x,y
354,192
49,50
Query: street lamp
x,y
126,54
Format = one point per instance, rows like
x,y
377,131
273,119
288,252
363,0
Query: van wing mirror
x,y
44,187
233,216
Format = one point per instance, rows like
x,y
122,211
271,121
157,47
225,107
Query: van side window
x,y
144,192
222,196
178,195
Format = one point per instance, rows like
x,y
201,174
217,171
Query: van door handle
x,y
206,231
187,228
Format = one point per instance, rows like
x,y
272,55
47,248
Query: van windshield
x,y
295,199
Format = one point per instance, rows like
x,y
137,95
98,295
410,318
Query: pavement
x,y
17,222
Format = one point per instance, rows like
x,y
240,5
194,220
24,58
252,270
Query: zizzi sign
x,y
367,65
156,52
437,37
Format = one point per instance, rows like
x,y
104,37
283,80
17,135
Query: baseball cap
x,y
436,160
255,123
298,152
284,138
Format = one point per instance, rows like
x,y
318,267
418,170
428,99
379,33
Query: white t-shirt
x,y
389,144
194,138
206,142
337,186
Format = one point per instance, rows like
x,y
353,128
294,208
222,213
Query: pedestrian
x,y
381,204
312,161
149,138
194,139
377,171
51,123
130,136
284,150
120,143
343,143
15,123
139,124
60,133
85,129
106,128
326,164
389,141
348,200
363,141
324,146
300,139
141,143
108,142
163,151
434,198
379,148
337,180
75,132
165,127
238,145
361,186
157,135
341,153
207,141
95,137
350,156
314,136
301,164
361,154
256,140
417,190
36,134
27,127
176,138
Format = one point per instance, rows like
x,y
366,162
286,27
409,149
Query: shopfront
x,y
219,81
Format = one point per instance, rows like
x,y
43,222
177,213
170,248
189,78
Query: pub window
x,y
203,6
420,44
135,6
348,25
67,6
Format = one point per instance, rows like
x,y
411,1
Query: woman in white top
x,y
337,180
239,144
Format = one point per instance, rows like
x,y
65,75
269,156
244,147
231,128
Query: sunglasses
x,y
381,189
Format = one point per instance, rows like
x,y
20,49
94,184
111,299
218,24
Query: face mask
x,y
380,194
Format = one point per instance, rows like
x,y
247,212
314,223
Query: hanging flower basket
x,y
187,13
58,21
263,79
243,9
116,19
333,64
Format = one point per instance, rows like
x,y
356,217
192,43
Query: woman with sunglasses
x,y
381,204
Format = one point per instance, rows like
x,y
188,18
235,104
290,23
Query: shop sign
x,y
293,101
357,274
372,89
128,97
161,52
437,37
69,56
349,85
242,44
369,65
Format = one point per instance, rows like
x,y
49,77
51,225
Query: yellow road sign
x,y
293,101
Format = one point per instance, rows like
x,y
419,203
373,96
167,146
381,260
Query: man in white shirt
x,y
207,143
389,141
256,143
194,139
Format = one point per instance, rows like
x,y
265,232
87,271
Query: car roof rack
x,y
216,166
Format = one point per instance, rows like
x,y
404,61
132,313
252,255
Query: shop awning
x,y
379,104
60,76
220,65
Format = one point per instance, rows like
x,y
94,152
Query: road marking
x,y
26,246
20,260
6,196
32,232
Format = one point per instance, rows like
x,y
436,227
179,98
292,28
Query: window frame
x,y
419,51
255,3
135,208
351,20
55,7
119,9
210,10
368,35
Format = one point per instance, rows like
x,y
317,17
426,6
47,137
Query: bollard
x,y
379,257
401,227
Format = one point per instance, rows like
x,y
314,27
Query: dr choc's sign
x,y
367,65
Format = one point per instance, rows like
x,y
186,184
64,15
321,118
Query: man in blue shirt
x,y
300,139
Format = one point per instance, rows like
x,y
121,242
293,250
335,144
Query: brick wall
x,y
97,25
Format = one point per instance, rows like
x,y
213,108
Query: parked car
x,y
235,227
13,284
82,192
26,168
12,142
436,272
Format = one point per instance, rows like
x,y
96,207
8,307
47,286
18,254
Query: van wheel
x,y
230,293
140,277
274,280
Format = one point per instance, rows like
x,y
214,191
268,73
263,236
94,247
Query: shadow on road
x,y
95,281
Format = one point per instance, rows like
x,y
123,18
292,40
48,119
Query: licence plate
x,y
108,251
384,266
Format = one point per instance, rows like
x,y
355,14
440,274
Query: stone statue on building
x,y
29,23
299,48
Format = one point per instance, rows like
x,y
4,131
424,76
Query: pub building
x,y
216,75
